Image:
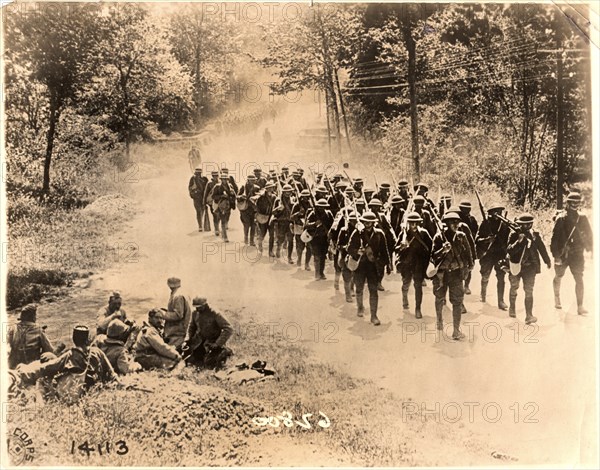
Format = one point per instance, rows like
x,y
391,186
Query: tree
x,y
55,45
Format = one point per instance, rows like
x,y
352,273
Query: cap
x,y
199,301
284,168
174,282
28,312
396,199
256,170
81,334
450,216
214,173
301,171
116,328
225,170
368,217
322,203
305,193
198,169
224,176
414,217
375,202
287,187
358,180
465,204
525,218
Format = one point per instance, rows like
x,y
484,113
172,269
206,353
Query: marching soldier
x,y
572,235
451,255
524,250
297,181
421,189
230,179
285,175
368,194
261,181
224,197
342,242
339,195
368,248
357,185
264,207
298,218
404,193
413,250
491,242
246,198
384,193
208,198
396,213
383,223
282,212
360,206
444,205
428,223
318,223
471,222
196,188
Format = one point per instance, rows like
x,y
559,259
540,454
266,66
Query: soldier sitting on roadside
x,y
206,337
110,312
27,340
150,349
113,345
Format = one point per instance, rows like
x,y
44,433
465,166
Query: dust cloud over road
x,y
526,389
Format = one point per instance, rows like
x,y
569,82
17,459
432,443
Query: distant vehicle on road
x,y
313,138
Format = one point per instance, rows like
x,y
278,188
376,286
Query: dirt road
x,y
530,390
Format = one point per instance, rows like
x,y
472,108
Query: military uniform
x,y
264,206
27,342
318,223
342,242
370,247
413,251
196,188
491,242
452,269
224,196
471,222
206,337
208,199
298,219
571,235
282,212
151,351
526,251
247,193
177,317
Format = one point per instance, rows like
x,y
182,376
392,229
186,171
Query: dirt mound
x,y
111,203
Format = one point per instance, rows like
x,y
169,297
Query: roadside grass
x,y
192,418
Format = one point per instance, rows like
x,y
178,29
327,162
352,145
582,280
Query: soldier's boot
x,y
418,301
483,291
405,305
556,286
581,310
512,309
501,304
529,318
467,290
278,251
418,313
348,291
463,309
336,281
439,305
373,304
457,335
359,303
380,286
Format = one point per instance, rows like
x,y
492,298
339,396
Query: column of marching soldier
x,y
365,231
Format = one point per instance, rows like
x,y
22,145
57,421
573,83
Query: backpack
x,y
70,386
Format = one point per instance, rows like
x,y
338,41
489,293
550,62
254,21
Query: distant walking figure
x,y
267,139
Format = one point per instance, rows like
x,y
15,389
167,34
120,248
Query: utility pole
x,y
560,163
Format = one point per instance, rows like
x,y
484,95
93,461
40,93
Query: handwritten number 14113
x,y
105,448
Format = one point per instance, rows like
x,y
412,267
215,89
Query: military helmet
x,y
403,184
422,186
322,203
385,186
451,217
305,193
375,203
396,199
368,217
419,199
496,206
341,184
368,189
414,217
574,198
525,219
198,169
287,188
116,329
174,282
321,189
465,204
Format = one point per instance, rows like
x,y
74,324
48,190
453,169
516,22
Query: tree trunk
x,y
328,109
411,47
339,90
560,164
198,87
53,119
